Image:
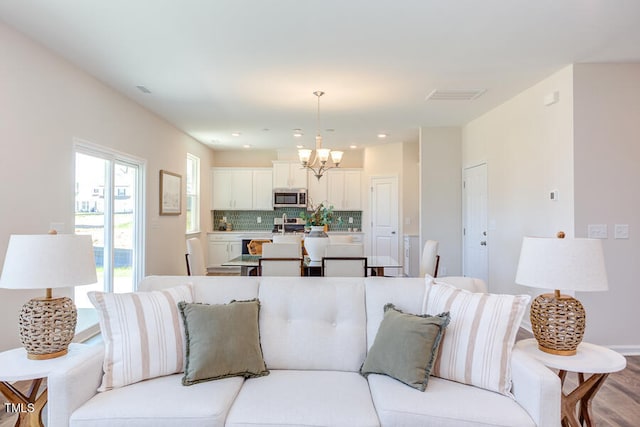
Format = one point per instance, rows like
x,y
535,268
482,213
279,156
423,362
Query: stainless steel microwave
x,y
290,198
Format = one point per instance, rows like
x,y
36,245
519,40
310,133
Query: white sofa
x,y
315,333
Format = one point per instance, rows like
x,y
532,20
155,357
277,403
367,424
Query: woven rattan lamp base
x,y
47,326
558,323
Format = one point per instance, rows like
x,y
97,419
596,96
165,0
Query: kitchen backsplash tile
x,y
247,220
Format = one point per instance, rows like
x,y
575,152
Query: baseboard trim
x,y
625,350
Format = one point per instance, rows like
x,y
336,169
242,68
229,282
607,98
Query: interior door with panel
x,y
384,217
475,233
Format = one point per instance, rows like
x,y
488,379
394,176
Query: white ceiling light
x,y
235,134
382,135
319,163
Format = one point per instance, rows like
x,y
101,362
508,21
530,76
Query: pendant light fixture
x,y
319,163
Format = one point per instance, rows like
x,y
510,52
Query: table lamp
x,y
46,261
558,321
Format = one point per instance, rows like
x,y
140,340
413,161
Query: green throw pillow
x,y
222,341
406,346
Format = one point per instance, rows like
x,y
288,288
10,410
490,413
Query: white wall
x,y
45,103
607,191
441,195
382,160
528,148
411,188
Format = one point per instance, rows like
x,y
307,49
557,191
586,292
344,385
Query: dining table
x,y
375,263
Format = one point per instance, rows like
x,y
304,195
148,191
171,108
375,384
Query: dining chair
x,y
195,258
289,238
344,260
340,238
254,247
280,259
430,259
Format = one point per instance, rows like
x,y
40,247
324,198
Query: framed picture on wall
x,y
170,193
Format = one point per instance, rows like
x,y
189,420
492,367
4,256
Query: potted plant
x,y
318,218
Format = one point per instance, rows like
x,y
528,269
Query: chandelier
x,y
319,163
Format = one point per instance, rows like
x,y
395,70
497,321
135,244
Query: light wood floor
x,y
617,404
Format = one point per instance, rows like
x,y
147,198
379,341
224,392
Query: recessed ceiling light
x,y
235,134
297,134
353,147
382,135
299,146
247,146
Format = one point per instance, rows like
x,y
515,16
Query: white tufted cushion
x,y
384,290
317,324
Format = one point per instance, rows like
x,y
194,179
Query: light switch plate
x,y
597,231
621,231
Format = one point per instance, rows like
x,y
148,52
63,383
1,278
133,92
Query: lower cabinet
x,y
222,248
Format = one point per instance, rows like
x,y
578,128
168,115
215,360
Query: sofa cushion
x,y
160,402
304,398
208,289
223,340
417,335
143,334
477,345
383,290
444,404
313,323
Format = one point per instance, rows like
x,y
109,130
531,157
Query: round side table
x,y
14,366
589,359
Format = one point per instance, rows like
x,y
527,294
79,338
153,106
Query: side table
x,y
589,359
14,366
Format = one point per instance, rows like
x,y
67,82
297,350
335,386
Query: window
x,y
193,194
109,206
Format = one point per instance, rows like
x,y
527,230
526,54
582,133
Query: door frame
x,y
398,227
484,163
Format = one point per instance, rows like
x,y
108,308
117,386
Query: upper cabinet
x,y
344,189
288,174
263,189
317,190
241,189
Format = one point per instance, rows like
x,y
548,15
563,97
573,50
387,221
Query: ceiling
x,y
215,67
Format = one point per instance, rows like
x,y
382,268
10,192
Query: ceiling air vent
x,y
143,89
455,95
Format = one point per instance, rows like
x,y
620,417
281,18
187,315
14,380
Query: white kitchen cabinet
x,y
287,174
223,247
262,189
317,189
344,189
232,188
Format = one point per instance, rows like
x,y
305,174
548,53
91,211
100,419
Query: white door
x,y
384,218
476,258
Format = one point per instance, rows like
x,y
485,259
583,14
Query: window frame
x,y
193,195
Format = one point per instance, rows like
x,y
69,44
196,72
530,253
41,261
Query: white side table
x,y
589,359
14,366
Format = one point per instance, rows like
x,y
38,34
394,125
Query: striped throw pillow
x,y
143,334
477,344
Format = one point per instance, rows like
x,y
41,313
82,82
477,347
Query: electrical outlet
x,y
259,220
621,231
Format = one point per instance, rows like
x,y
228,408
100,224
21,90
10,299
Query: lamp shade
x,y
570,264
42,261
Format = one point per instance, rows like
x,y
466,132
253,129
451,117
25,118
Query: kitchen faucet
x,y
284,221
